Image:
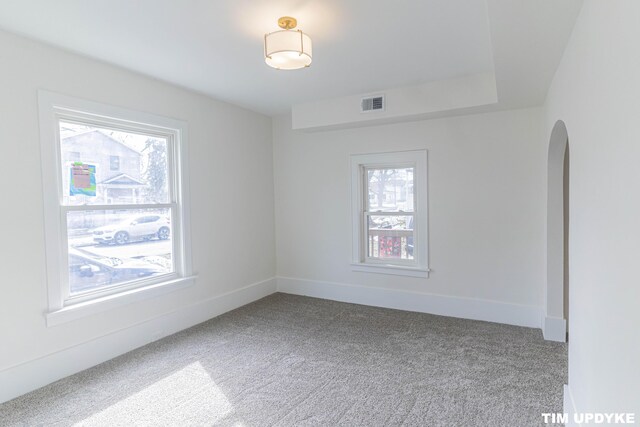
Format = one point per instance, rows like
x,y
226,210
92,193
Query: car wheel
x,y
163,233
121,238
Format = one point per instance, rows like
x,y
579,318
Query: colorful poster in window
x,y
83,180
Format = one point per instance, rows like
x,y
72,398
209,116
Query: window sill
x,y
394,270
98,305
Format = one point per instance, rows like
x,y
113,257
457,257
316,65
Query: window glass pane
x,y
115,163
103,166
390,237
108,247
390,189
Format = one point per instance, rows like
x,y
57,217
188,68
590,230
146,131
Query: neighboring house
x,y
395,190
118,167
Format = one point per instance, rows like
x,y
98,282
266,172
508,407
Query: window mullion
x,y
65,289
389,213
177,242
70,208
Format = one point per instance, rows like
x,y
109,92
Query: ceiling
x,y
360,46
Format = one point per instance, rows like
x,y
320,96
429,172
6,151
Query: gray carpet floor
x,y
297,361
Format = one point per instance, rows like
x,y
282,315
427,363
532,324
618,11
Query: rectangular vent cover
x,y
374,103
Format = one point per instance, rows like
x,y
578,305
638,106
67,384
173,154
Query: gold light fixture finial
x,y
287,49
287,22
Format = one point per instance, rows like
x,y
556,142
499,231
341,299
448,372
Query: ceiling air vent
x,y
373,103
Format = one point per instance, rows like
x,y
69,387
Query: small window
x,y
114,162
390,213
109,234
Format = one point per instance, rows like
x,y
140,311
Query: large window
x,y
390,213
114,204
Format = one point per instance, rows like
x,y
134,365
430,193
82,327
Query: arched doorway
x,y
557,289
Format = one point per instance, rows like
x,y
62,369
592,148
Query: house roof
x,y
123,179
98,133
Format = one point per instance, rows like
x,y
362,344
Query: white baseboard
x,y
467,308
31,375
569,407
554,329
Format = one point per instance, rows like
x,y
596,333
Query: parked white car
x,y
144,227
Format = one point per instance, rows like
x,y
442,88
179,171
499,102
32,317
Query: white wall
x,y
487,178
596,92
231,192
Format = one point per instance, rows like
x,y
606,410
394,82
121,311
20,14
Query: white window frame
x,y
64,307
360,163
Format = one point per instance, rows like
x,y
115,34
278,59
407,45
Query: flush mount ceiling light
x,y
287,49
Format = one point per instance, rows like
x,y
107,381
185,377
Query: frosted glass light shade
x,y
287,49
